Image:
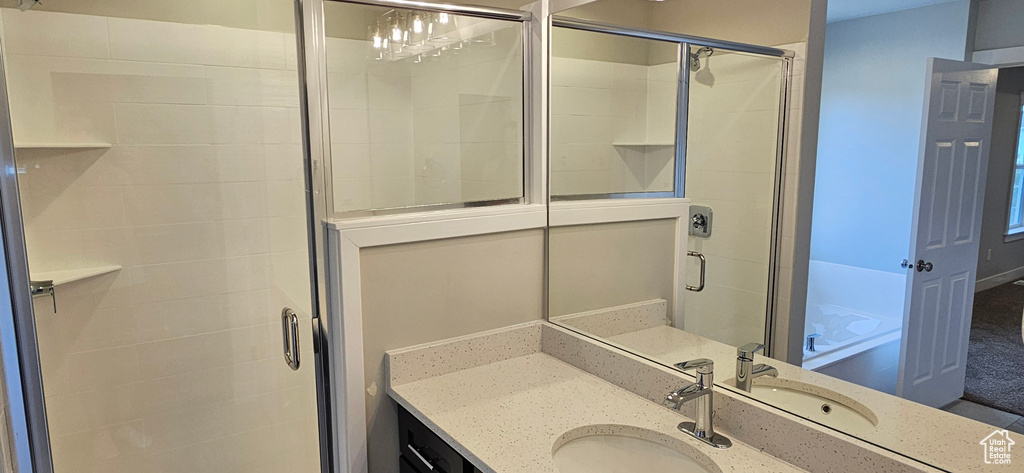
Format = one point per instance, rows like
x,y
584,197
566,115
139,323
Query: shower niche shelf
x,y
83,146
71,275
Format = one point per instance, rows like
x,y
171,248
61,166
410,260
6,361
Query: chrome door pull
x,y
290,335
922,266
703,264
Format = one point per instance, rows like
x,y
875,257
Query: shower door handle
x,y
290,335
703,264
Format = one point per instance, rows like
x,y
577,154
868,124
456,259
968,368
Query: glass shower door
x,y
732,161
160,165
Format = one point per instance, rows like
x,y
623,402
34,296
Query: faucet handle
x,y
747,351
702,365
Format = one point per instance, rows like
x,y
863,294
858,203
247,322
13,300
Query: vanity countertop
x,y
506,416
904,426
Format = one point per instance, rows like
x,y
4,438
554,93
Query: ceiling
x,y
839,10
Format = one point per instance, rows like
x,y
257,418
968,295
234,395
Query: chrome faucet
x,y
746,370
702,393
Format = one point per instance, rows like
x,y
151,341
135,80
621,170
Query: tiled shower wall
x,y
730,166
612,126
172,363
446,129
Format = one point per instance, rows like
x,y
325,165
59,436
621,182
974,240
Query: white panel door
x,y
947,222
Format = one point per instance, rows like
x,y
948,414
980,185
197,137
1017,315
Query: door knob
x,y
922,266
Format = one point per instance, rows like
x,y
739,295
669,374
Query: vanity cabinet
x,y
425,452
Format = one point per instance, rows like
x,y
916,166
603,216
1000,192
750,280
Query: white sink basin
x,y
815,403
626,449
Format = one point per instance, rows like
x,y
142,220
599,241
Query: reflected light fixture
x,y
442,18
378,41
417,24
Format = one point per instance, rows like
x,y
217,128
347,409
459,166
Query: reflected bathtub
x,y
858,314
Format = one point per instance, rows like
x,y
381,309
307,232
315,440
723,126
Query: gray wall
x,y
422,292
610,264
1006,257
999,24
870,128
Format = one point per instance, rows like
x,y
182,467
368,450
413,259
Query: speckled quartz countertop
x,y
505,399
931,435
507,416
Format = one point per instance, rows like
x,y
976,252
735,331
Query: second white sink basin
x,y
817,404
626,449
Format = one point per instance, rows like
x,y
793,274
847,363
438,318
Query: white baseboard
x,y
1001,278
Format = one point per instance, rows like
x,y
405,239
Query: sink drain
x,y
826,409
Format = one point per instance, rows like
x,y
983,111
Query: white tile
x,y
389,92
198,315
353,194
393,192
75,208
286,198
63,122
166,204
387,126
255,87
350,160
55,34
347,91
436,126
347,56
251,125
157,41
59,249
142,40
164,124
436,90
246,48
154,244
192,353
391,160
349,126
170,281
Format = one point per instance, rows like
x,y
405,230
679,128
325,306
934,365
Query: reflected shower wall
x,y
613,114
731,153
425,108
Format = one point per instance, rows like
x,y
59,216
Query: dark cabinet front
x,y
425,452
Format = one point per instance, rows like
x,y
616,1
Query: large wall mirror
x,y
666,153
674,163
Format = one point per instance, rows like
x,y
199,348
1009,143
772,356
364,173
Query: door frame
x,y
23,379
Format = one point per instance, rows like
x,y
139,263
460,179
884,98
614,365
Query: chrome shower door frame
x,y
685,42
344,385
22,376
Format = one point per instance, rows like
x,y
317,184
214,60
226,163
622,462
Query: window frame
x,y
1016,231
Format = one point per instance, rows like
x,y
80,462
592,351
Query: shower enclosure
x,y
169,175
161,163
644,114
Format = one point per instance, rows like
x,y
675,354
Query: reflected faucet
x,y
702,393
746,370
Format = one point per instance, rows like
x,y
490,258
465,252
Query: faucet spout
x,y
701,392
746,370
762,369
676,399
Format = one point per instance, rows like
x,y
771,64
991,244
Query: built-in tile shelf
x,y
61,145
70,275
643,144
